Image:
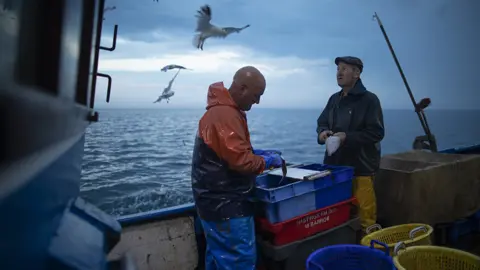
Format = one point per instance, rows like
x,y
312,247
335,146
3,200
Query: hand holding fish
x,y
341,135
324,135
332,144
272,160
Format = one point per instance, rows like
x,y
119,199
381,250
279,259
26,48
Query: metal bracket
x,y
112,48
109,86
94,116
114,42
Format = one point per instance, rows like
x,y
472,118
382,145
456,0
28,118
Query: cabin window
x,y
48,47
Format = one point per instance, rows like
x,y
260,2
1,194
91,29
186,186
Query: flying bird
x,y
167,91
207,30
166,96
169,67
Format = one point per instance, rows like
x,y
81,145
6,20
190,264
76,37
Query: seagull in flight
x,y
170,83
166,96
206,29
169,67
167,91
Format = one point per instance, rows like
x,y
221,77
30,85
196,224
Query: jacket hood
x,y
218,95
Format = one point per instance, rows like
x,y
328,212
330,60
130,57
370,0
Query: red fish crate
x,y
306,225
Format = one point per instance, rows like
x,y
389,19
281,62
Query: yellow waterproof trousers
x,y
366,200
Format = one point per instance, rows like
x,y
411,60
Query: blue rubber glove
x,y
260,152
272,160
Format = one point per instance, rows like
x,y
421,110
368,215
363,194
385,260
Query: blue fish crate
x,y
350,257
281,203
269,190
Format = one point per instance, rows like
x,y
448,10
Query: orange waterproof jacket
x,y
224,167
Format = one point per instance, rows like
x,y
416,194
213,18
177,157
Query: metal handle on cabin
x,y
114,43
93,117
109,86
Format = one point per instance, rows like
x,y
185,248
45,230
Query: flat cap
x,y
351,60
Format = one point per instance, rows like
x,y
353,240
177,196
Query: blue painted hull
x,y
46,226
32,214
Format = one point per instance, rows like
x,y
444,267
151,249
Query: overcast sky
x,y
294,44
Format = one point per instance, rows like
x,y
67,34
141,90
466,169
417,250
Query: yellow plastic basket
x,y
433,258
414,234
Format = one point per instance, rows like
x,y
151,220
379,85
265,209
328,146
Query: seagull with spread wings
x,y
172,66
168,92
207,30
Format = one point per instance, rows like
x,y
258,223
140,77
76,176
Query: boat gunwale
x,y
182,210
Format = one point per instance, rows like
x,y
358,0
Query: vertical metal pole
x,y
421,115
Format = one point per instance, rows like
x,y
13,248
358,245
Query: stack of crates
x,y
298,210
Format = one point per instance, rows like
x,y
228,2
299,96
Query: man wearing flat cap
x,y
355,116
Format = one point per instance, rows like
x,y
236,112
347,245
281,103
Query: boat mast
x,y
432,144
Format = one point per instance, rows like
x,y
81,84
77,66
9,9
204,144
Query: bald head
x,y
247,87
249,75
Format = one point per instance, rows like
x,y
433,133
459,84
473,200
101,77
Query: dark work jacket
x,y
220,193
359,115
